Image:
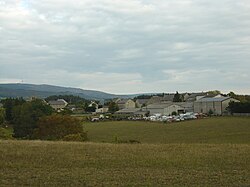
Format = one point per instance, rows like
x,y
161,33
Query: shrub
x,y
6,134
118,141
79,137
2,116
210,112
174,113
56,127
25,117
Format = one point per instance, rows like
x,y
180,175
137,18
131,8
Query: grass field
x,y
209,152
212,130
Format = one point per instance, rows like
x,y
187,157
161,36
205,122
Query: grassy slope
x,y
193,153
214,130
95,164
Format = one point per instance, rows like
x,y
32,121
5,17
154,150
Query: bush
x,y
118,141
2,116
79,137
174,113
58,127
6,134
26,116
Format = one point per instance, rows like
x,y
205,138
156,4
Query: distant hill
x,y
43,91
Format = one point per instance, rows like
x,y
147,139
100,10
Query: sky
x,y
127,46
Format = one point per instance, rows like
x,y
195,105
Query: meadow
x,y
216,130
208,152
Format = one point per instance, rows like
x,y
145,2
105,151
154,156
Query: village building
x,y
154,99
167,97
102,110
164,108
141,102
194,96
58,104
125,103
93,104
217,105
188,106
132,112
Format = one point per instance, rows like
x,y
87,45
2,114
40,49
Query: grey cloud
x,y
138,37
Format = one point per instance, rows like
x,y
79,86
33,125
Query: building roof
x,y
123,101
192,96
1,105
128,110
161,105
213,99
155,99
142,101
168,97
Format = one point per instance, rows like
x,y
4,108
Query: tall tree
x,y
2,116
113,107
177,97
9,104
25,117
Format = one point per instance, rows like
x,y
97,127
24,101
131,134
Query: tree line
x,y
37,120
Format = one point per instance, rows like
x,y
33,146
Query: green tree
x,y
214,92
9,104
2,116
6,134
113,107
210,112
237,107
59,127
177,97
25,117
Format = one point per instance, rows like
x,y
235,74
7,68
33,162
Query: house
x,y
168,97
194,96
102,110
154,99
125,103
141,102
93,104
217,105
160,99
59,104
164,108
188,106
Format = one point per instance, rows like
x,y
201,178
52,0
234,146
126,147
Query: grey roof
x,y
213,99
122,101
161,105
142,101
168,97
128,110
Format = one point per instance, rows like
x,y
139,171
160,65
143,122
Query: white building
x,y
217,105
164,108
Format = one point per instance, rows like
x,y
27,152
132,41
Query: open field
x,y
36,163
208,152
212,130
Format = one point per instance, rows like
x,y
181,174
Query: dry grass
x,y
212,130
36,163
211,152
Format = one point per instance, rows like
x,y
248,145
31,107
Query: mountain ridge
x,y
45,90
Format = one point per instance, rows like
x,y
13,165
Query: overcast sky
x,y
127,46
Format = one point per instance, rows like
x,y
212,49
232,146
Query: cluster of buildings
x,y
164,105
